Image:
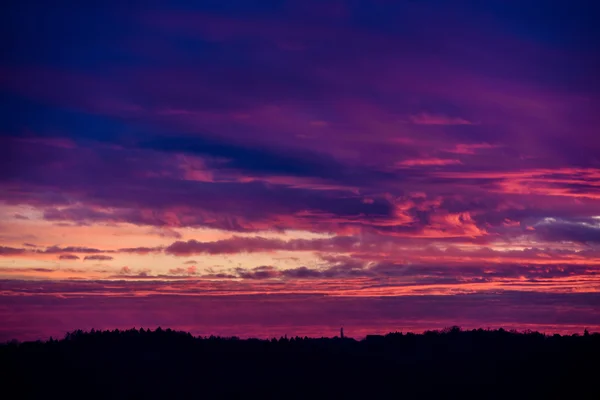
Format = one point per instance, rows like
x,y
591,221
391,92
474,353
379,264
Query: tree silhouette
x,y
170,364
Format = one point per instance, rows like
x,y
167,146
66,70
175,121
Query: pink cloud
x,y
471,148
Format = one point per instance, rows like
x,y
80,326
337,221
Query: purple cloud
x,y
11,251
98,258
433,149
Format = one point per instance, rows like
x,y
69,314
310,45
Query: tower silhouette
x,y
342,332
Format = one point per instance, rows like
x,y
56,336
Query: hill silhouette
x,y
166,364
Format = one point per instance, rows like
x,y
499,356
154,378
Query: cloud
x,y
470,148
26,270
584,230
139,250
432,119
165,233
302,272
428,161
76,249
257,160
128,273
11,251
239,244
211,205
68,257
98,257
191,270
262,272
70,249
177,271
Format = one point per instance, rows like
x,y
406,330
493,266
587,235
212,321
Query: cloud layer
x,y
364,150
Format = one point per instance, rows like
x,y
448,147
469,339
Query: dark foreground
x,y
172,365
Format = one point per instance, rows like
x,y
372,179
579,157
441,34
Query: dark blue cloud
x,y
257,160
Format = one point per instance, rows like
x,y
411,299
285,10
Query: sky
x,y
290,167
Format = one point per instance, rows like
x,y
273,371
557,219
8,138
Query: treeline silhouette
x,y
167,364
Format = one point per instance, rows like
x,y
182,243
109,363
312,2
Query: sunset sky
x,y
288,167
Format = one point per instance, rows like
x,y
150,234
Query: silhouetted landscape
x,y
170,364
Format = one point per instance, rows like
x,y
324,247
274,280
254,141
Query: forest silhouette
x,y
167,364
